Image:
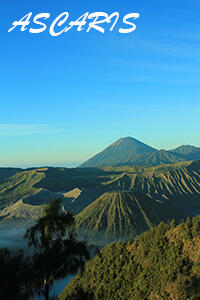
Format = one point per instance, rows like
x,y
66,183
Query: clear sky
x,y
63,99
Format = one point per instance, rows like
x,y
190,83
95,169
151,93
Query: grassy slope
x,y
121,214
7,172
161,264
17,186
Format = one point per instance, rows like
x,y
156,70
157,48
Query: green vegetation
x,y
161,264
19,185
7,172
56,254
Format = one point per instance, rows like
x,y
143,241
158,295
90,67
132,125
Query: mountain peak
x,y
119,153
127,139
128,151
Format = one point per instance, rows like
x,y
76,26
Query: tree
x,y
58,253
13,275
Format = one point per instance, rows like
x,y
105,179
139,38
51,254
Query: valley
x,y
110,203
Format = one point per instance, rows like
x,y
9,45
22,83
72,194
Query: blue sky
x,y
64,99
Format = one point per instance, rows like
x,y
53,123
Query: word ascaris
x,y
88,21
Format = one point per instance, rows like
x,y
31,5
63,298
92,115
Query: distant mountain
x,y
131,152
185,149
187,152
119,153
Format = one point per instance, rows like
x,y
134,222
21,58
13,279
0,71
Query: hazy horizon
x,y
73,164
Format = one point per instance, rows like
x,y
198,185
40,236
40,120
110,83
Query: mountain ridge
x,y
173,191
129,151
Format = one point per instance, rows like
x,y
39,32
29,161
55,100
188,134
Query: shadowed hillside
x,y
25,183
7,172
